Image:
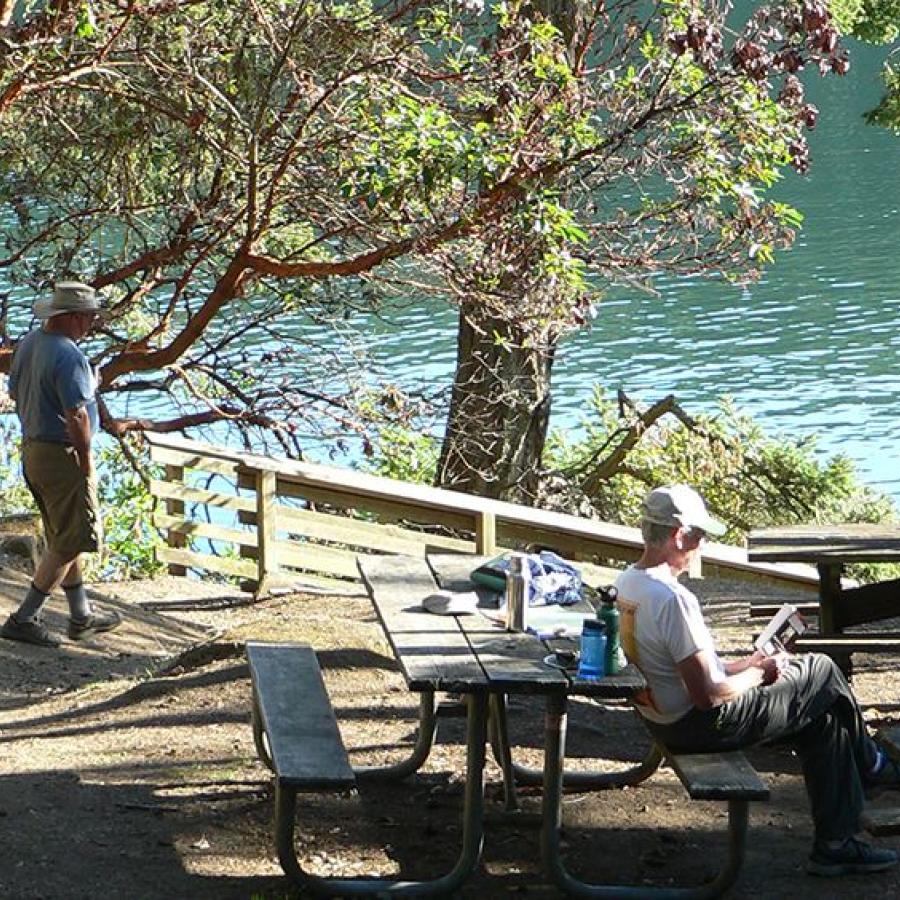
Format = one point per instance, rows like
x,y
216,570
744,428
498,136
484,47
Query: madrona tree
x,y
230,171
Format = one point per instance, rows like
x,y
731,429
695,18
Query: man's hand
x,y
78,426
86,463
773,666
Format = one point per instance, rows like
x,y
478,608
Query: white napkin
x,y
451,603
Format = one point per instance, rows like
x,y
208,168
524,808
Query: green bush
x,y
750,478
131,539
126,507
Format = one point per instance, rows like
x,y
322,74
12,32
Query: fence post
x,y
266,529
485,533
175,474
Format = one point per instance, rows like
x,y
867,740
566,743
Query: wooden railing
x,y
275,522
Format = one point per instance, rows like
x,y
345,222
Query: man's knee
x,y
822,673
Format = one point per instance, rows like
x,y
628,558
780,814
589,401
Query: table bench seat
x,y
296,734
718,776
293,713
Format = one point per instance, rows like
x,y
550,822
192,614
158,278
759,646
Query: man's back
x,y
661,625
50,375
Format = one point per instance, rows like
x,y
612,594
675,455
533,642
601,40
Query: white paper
x,y
783,627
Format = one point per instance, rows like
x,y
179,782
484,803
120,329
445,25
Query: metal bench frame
x,y
738,814
286,791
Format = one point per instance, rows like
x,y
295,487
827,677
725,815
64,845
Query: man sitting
x,y
697,702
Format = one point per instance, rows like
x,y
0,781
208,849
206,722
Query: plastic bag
x,y
553,579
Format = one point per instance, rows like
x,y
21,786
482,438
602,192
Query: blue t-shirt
x,y
48,376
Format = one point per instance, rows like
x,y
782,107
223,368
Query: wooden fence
x,y
273,522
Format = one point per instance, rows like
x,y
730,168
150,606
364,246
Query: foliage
x,y
130,539
751,479
404,454
229,171
14,494
126,508
877,22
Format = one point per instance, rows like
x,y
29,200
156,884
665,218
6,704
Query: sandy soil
x,y
125,775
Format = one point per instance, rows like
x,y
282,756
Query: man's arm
x,y
705,693
78,426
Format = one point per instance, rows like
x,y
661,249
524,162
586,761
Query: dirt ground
x,y
124,774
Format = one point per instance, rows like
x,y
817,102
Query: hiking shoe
x,y
95,623
31,631
853,857
887,778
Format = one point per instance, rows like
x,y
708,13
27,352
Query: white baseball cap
x,y
680,505
68,297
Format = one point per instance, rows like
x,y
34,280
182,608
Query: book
x,y
783,629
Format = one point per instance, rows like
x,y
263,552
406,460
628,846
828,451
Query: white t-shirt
x,y
660,626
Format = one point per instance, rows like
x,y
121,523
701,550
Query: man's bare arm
x,y
78,427
705,693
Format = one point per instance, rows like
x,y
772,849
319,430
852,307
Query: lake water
x,y
810,349
813,348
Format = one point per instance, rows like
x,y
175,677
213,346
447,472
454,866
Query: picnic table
x,y
297,734
472,656
831,548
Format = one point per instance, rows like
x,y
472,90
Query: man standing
x,y
55,393
697,702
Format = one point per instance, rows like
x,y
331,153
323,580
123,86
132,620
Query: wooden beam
x,y
266,529
486,533
174,507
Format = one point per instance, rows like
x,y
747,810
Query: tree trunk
x,y
499,410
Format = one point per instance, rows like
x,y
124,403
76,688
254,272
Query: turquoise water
x,y
810,349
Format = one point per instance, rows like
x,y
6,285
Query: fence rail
x,y
276,522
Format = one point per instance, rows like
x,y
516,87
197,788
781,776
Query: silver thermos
x,y
517,589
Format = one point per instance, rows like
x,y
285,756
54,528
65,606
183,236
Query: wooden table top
x,y
825,543
466,653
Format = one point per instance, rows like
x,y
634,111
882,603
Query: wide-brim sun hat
x,y
680,505
68,297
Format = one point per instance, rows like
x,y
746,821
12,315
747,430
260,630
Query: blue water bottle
x,y
593,650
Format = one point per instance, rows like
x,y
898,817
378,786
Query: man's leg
x,y
84,619
26,624
73,587
812,709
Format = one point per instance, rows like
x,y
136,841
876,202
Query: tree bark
x,y
499,410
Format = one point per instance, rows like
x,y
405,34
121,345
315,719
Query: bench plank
x,y
304,741
857,542
768,609
718,776
432,650
847,643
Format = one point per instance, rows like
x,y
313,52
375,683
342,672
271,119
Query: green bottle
x,y
608,614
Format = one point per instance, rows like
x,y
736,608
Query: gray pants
x,y
810,709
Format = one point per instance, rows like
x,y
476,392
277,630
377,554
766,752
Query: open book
x,y
786,625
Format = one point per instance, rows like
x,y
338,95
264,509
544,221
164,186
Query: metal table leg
x,y
472,838
554,754
498,732
515,773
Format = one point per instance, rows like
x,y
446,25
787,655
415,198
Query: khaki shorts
x,y
66,498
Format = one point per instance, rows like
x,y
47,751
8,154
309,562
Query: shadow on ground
x,y
145,643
